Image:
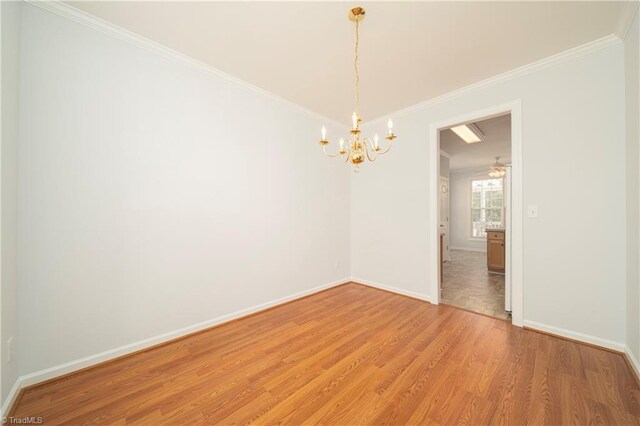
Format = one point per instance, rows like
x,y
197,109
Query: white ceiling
x,y
410,51
497,143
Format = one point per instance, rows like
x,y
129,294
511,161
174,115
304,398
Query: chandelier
x,y
356,149
497,169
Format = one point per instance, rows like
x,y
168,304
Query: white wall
x,y
574,253
460,211
10,35
632,92
154,196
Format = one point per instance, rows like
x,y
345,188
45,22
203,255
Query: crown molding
x,y
60,8
65,10
630,9
445,154
576,52
477,169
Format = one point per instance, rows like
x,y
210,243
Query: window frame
x,y
470,206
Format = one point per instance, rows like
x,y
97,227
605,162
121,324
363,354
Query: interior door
x,y
444,215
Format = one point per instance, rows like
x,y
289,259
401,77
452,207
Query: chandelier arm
x,y
386,150
324,149
368,145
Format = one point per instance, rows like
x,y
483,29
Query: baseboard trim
x,y
575,336
11,399
414,295
633,362
73,367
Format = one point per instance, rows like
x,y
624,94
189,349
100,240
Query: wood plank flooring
x,y
351,355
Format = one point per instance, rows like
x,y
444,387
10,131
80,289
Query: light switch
x,y
532,211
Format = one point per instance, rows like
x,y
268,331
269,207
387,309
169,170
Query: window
x,y
487,207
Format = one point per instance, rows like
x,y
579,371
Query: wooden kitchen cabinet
x,y
495,250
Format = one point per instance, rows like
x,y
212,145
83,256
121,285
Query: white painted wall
x,y
10,35
632,157
460,211
574,253
154,196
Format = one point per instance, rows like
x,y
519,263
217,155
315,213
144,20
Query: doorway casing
x,y
514,258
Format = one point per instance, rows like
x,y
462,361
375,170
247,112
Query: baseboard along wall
x,y
575,336
412,294
76,366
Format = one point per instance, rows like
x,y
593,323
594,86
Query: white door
x,y
444,215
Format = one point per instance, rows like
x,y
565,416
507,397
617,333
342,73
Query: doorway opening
x,y
475,162
476,213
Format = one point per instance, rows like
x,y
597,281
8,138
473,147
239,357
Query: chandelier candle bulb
x,y
324,133
376,142
354,118
390,125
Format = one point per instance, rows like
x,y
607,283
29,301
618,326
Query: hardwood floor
x,y
468,284
351,355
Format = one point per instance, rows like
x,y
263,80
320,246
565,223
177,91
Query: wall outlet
x,y
9,344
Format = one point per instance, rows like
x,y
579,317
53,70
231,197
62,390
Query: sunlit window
x,y
487,206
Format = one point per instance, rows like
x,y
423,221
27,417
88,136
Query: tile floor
x,y
467,284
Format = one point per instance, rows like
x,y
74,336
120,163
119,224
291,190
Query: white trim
x,y
479,171
445,154
469,249
396,290
65,10
11,398
586,338
517,276
71,366
578,51
633,361
507,241
626,19
516,240
31,379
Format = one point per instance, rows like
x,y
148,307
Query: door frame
x,y
514,256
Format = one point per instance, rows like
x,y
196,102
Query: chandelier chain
x,y
355,65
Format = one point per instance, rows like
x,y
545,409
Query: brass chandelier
x,y
357,149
